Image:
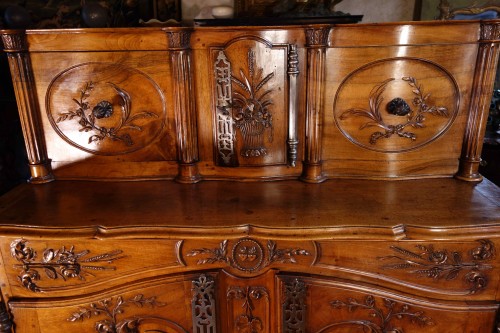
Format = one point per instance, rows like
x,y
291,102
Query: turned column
x,y
482,88
316,43
16,47
185,115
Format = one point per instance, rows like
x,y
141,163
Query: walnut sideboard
x,y
319,178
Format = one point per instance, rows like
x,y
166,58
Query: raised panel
x,y
330,306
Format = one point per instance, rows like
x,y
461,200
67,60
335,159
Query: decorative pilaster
x,y
294,307
482,88
316,40
293,73
185,113
203,305
16,47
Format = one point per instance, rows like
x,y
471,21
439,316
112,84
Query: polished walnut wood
x,y
318,178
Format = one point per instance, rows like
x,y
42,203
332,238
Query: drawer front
x,y
450,269
320,305
56,267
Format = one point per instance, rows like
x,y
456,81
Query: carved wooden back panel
x,y
313,102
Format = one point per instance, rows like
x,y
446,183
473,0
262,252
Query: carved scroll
x,y
27,104
376,319
445,264
294,307
203,305
111,312
293,72
62,263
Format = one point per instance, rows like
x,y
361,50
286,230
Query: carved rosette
x,y
377,319
247,255
203,305
294,307
62,263
428,262
111,316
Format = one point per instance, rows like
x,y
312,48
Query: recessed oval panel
x,y
396,105
106,109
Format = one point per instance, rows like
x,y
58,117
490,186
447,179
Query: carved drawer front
x,y
66,267
320,305
451,269
163,305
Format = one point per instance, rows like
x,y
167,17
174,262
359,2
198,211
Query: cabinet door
x,y
319,305
164,305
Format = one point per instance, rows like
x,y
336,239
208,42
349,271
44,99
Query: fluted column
x,y
316,43
16,47
482,89
185,113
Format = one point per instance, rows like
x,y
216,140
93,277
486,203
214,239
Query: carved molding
x,y
62,263
247,255
412,118
111,309
203,305
376,319
445,264
247,322
294,307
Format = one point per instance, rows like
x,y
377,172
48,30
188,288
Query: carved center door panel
x,y
254,105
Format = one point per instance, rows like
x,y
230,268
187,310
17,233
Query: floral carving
x,y
62,263
380,321
251,108
111,309
247,322
444,264
247,255
414,118
88,117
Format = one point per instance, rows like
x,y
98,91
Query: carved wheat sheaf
x,y
428,262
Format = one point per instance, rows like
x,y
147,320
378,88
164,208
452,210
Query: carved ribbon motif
x,y
414,118
380,321
63,263
111,309
247,322
248,255
88,117
443,264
